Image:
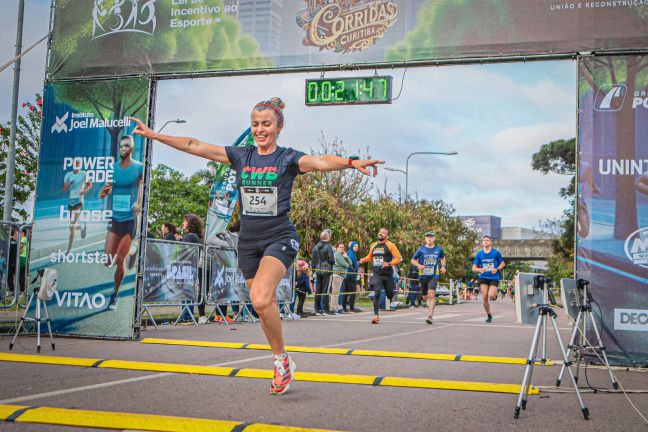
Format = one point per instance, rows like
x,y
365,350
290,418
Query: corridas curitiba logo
x,y
346,25
118,16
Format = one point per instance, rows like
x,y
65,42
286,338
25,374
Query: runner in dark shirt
x,y
268,242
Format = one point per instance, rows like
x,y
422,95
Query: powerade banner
x,y
171,271
119,37
228,284
223,194
612,213
88,200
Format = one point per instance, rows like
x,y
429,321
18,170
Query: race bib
x,y
430,266
378,261
428,271
121,203
259,201
488,266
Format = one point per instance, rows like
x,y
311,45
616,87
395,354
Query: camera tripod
x,y
37,316
580,331
545,311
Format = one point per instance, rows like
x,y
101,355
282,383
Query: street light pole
x,y
11,151
450,153
179,121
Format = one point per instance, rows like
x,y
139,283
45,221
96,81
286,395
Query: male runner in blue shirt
x,y
488,263
427,259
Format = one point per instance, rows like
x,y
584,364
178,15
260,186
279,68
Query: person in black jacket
x,y
192,226
322,260
168,231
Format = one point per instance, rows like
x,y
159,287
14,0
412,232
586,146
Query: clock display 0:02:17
x,y
348,91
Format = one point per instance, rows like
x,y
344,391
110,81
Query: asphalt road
x,y
458,329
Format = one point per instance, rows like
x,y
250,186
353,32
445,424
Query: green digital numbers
x,y
344,91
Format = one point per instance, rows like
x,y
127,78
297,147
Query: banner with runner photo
x,y
88,201
171,271
612,205
94,38
223,194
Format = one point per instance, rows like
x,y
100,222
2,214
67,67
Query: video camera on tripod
x,y
545,283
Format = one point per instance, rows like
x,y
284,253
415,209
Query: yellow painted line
x,y
133,421
267,374
344,351
7,410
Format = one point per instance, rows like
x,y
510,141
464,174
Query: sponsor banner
x,y
612,205
223,194
171,271
88,197
103,38
227,284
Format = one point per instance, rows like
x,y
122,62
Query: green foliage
x,y
208,47
560,157
173,195
514,267
27,145
449,25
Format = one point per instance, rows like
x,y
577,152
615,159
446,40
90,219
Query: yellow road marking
x,y
133,421
266,374
343,351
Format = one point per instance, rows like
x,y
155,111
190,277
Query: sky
x,y
494,116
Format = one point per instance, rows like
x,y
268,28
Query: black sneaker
x,y
84,229
489,319
112,302
429,320
357,310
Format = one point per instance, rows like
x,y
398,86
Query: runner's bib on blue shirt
x,y
430,258
488,261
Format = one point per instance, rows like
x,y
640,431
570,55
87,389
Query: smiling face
x,y
265,128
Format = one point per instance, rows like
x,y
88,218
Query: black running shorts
x,y
122,228
250,252
428,285
491,282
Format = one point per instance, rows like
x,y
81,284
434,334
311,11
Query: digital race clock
x,y
343,91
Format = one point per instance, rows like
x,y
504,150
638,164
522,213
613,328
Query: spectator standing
x,y
342,263
303,286
352,279
192,227
323,259
168,231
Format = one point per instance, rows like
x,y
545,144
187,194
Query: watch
x,y
351,159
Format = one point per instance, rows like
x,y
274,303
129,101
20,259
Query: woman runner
x,y
268,242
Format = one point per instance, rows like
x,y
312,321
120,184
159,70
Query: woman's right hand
x,y
142,130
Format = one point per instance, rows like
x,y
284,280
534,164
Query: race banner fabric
x,y
227,284
93,38
612,206
171,271
88,200
223,194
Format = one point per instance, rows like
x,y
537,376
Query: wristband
x,y
351,159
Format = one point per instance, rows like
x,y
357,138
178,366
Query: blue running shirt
x,y
488,261
431,259
124,190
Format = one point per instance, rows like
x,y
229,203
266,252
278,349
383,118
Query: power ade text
x,y
98,169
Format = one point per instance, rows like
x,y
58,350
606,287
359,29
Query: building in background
x,y
520,233
263,20
484,225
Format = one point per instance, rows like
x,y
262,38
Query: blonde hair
x,y
276,105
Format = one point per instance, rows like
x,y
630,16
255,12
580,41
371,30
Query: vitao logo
x,y
60,123
123,16
636,247
610,97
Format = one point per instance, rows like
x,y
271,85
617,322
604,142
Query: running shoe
x,y
375,320
84,229
429,320
112,302
489,319
284,374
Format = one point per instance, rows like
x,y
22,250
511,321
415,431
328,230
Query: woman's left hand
x,y
362,165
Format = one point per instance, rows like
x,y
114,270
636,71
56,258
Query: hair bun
x,y
277,101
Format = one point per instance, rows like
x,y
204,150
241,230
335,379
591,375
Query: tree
x,y
102,39
173,195
560,157
27,144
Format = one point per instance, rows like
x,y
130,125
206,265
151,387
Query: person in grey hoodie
x,y
342,263
322,260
